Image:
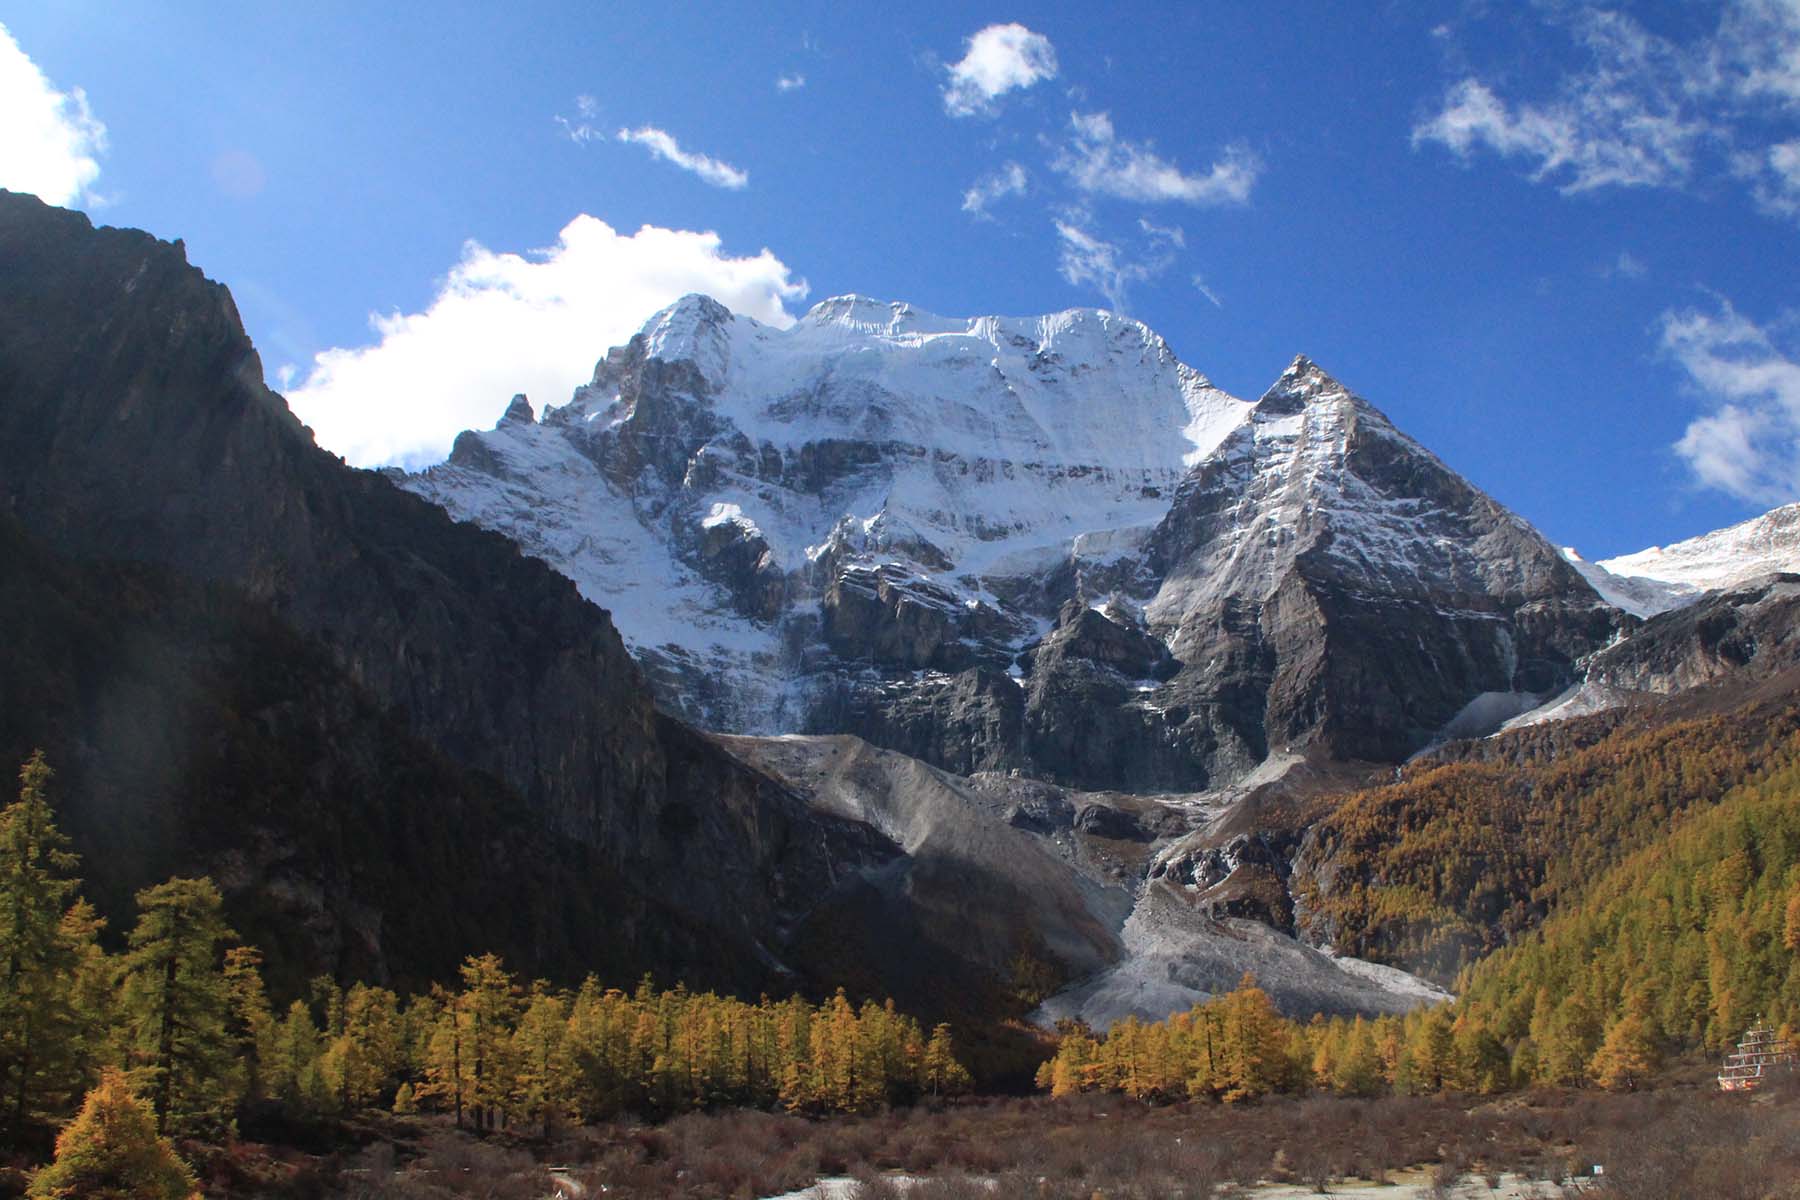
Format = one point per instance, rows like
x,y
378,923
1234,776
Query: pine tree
x,y
1357,1071
488,1006
47,941
1569,1043
546,1069
291,1073
252,1026
944,1076
1627,1056
1254,1043
445,1059
111,1151
367,1051
1432,1045
1478,1060
176,1004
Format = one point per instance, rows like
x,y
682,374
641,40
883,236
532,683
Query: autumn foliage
x,y
177,1034
111,1151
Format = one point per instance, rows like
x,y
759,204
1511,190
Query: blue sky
x,y
1555,242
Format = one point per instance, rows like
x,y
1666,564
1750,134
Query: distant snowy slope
x,y
1639,596
1667,577
1724,558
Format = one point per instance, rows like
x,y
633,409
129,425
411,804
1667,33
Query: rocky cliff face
x,y
1328,583
1037,544
1740,634
134,427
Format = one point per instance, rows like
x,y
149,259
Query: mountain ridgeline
x,y
1090,680
1037,544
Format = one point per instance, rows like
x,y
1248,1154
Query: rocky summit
x,y
1036,544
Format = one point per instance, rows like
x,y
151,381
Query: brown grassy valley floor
x,y
1681,1140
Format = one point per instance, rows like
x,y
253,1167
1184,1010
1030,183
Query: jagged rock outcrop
x,y
1742,633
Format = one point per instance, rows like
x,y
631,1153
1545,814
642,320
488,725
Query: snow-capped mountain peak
x,y
695,329
887,521
1304,382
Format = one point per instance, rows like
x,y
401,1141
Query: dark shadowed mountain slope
x,y
192,732
135,429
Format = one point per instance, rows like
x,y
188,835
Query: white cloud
x,y
1774,177
1756,53
1085,257
1009,180
50,142
1175,235
1096,160
1749,443
665,147
1591,140
1645,110
998,59
1205,289
1628,266
507,323
790,83
582,128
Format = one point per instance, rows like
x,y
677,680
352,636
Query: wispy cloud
x,y
664,146
997,60
581,128
1748,443
1627,266
1087,258
1589,140
1646,110
1206,290
504,323
790,83
1009,180
1774,176
1174,235
50,141
1097,160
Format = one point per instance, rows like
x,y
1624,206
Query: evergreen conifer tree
x,y
176,1005
47,946
944,1076
546,1069
111,1151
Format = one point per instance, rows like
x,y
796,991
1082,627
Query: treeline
x,y
1686,942
1237,1047
1678,948
1436,872
184,1013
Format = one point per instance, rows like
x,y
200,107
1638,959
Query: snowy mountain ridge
x,y
1663,578
887,522
867,435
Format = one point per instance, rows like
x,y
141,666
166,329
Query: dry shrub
x,y
1676,1142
